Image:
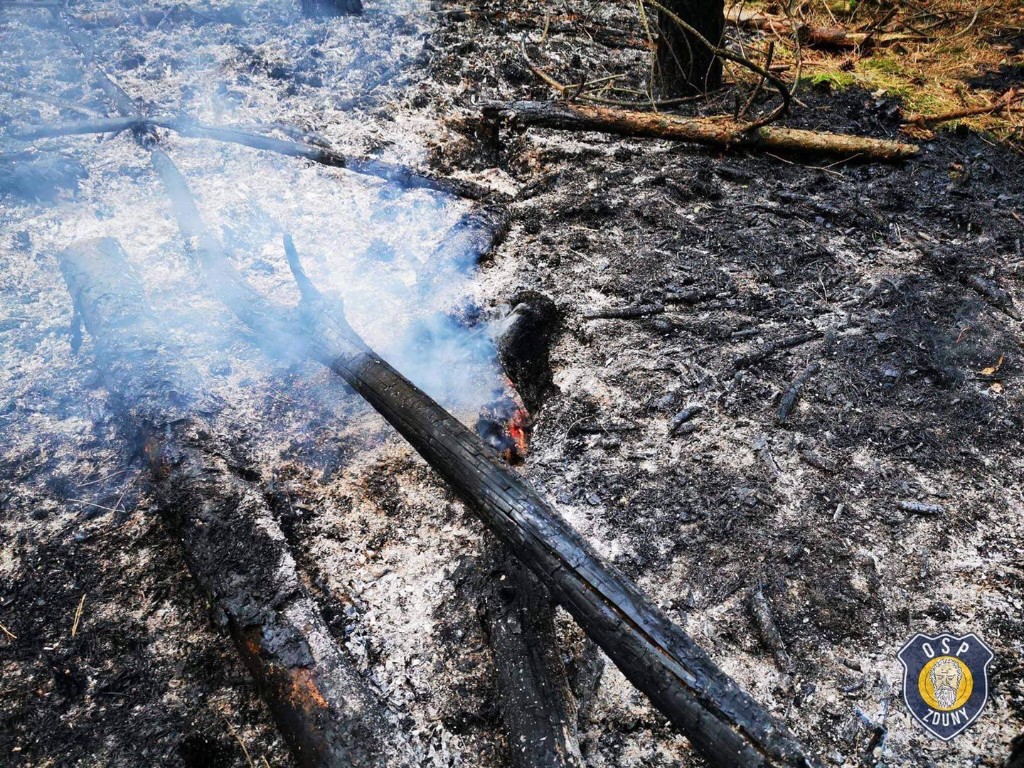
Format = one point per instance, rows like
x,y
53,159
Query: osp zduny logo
x,y
945,681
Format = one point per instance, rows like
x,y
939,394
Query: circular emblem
x,y
945,683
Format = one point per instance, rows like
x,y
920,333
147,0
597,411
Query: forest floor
x,y
918,395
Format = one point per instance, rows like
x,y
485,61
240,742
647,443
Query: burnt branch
x,y
711,131
399,175
537,706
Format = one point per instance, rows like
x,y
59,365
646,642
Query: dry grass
x,y
945,45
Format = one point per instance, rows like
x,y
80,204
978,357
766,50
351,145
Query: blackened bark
x,y
231,542
686,66
537,706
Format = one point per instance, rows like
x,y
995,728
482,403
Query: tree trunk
x,y
686,66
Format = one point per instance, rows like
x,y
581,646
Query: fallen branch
x,y
79,128
231,541
712,131
396,174
814,37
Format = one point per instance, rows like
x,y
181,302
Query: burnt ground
x,y
883,263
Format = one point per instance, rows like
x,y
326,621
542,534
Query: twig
x,y
1004,102
234,733
920,507
792,392
769,349
681,418
563,88
817,461
8,632
105,477
769,630
78,616
91,504
760,83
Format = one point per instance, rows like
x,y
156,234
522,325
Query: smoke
x,y
366,241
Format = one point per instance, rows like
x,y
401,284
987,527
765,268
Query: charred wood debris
x,y
325,711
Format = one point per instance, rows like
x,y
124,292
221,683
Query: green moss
x,y
835,80
885,65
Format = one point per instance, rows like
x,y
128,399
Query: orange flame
x,y
505,425
519,430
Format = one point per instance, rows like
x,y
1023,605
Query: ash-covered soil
x,y
887,266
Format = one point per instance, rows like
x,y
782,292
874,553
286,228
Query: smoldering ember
x,y
407,383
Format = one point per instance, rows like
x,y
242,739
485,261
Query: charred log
x,y
231,542
524,346
720,719
537,706
719,132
